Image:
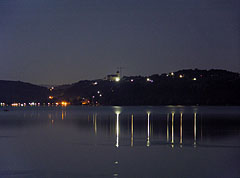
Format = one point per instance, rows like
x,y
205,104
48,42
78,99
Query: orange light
x,y
50,97
64,103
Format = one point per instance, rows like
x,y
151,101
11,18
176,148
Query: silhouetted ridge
x,y
16,91
184,87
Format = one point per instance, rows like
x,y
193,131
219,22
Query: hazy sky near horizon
x,y
64,41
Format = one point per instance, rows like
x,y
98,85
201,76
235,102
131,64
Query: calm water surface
x,y
121,142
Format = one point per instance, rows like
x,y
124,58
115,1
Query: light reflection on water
x,y
108,141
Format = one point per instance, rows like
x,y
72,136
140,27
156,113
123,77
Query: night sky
x,y
64,41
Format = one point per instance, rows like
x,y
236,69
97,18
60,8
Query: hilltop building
x,y
114,77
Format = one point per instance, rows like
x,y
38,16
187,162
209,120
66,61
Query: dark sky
x,y
64,41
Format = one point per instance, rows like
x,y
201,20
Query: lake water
x,y
126,142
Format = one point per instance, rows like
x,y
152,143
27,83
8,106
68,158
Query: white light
x,y
117,130
117,79
194,78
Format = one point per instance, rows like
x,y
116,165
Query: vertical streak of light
x,y
62,115
195,129
148,130
167,128
95,124
172,129
132,131
117,131
181,139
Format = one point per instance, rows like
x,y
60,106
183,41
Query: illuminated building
x,y
114,77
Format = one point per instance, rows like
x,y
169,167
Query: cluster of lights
x,y
149,80
85,101
99,93
18,104
2,104
63,103
34,104
51,89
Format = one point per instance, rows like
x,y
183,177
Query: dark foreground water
x,y
121,142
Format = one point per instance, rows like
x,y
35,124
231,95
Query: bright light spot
x,y
117,129
172,74
64,103
50,97
51,89
181,76
100,95
32,104
117,79
95,83
15,104
131,80
194,78
2,104
98,92
149,80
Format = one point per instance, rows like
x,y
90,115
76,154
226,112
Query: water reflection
x,y
106,142
148,129
132,130
181,130
117,129
195,129
174,128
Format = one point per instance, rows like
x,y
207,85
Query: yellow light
x,y
180,76
194,78
64,103
117,79
172,74
50,97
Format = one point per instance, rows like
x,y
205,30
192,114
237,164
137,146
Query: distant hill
x,y
16,91
184,87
